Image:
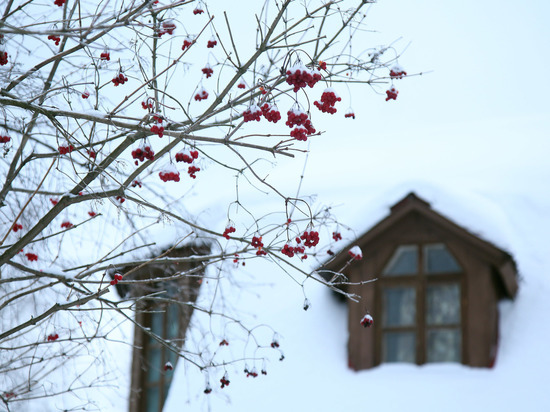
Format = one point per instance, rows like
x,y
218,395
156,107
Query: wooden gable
x,y
483,274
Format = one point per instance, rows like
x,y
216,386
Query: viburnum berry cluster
x,y
258,244
271,112
158,127
3,58
65,148
336,236
211,43
310,238
252,372
207,70
53,337
224,381
300,123
198,10
59,2
120,79
55,39
17,226
168,27
117,278
228,230
252,113
208,389
66,225
241,84
53,201
91,153
300,76
189,158
169,173
224,343
392,93
397,72
120,199
147,103
105,56
367,321
4,139
355,253
187,42
143,152
136,183
328,100
85,94
32,257
202,94
168,366
350,114
91,213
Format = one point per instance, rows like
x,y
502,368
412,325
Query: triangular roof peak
x,y
410,199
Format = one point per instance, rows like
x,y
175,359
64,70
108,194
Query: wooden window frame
x,y
420,281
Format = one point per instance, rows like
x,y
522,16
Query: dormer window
x,y
420,306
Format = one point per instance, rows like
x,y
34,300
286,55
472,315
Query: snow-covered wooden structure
x,y
436,293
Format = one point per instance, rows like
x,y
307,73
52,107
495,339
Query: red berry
x,y
350,114
187,43
271,112
211,43
66,225
207,70
17,226
336,236
91,153
241,84
143,152
202,94
92,213
252,113
32,257
355,253
168,366
228,230
52,337
328,100
3,58
257,242
224,343
65,149
169,174
85,94
120,199
56,39
191,170
367,321
198,10
300,76
397,72
105,56
310,238
4,139
54,201
59,2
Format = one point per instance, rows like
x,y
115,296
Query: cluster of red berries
x,y
159,130
236,260
105,56
4,139
65,149
187,158
322,65
227,231
91,213
249,373
191,170
300,76
187,43
310,238
257,242
241,84
136,183
66,225
252,113
167,175
168,27
201,95
33,257
198,10
224,343
59,2
328,100
56,39
208,389
168,366
91,153
300,123
142,153
147,103
211,43
290,251
3,58
367,321
350,114
53,201
271,112
207,70
392,93
85,94
120,79
336,236
17,226
275,344
224,381
355,253
118,278
52,337
397,72
120,199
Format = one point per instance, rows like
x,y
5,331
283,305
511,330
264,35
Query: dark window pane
x,y
438,259
403,262
399,347
154,364
153,395
157,322
443,345
443,304
399,306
